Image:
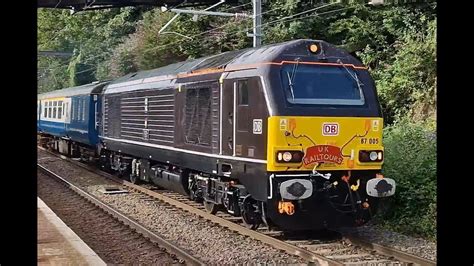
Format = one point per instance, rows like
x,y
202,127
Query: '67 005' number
x,y
369,141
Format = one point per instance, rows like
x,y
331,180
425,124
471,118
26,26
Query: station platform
x,y
58,244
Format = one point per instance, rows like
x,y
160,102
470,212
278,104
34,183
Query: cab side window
x,y
243,111
243,92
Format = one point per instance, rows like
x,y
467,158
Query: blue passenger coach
x,y
71,116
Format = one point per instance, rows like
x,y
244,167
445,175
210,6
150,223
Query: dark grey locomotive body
x,y
200,127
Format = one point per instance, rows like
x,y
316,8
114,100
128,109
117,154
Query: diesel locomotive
x,y
288,135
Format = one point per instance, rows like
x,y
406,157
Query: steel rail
x,y
289,248
170,247
396,253
310,256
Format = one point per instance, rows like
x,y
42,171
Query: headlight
x,y
373,155
370,156
289,156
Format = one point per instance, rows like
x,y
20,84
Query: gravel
x,y
115,243
208,241
416,246
213,243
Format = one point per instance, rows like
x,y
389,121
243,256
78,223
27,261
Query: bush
x,y
410,159
407,84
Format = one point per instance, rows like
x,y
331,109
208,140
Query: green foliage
x,y
52,75
80,73
397,43
148,49
91,35
407,85
410,159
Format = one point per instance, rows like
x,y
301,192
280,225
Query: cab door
x,y
244,118
227,118
250,119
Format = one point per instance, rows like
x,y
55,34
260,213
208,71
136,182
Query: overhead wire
x,y
56,33
274,21
286,18
234,7
180,40
59,2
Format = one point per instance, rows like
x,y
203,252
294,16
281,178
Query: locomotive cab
x,y
324,145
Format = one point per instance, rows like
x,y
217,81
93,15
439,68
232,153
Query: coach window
x,y
83,109
77,114
74,108
55,109
45,110
60,109
79,109
50,109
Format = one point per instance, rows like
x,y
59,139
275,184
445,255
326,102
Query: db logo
x,y
257,126
330,129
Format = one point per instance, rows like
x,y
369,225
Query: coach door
x,y
67,113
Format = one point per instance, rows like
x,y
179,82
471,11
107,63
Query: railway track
x,y
153,242
338,250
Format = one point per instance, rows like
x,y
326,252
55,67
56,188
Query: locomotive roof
x,y
225,60
94,87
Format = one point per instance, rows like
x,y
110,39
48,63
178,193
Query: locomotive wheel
x,y
123,174
193,197
210,207
250,220
250,215
134,179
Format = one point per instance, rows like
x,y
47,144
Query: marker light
x,y
313,48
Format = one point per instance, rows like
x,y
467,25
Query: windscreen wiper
x,y
290,84
292,78
355,77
